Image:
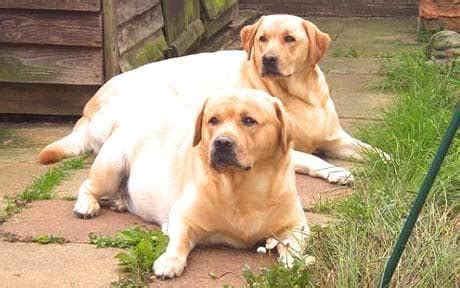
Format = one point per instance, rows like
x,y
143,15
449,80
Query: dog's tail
x,y
71,145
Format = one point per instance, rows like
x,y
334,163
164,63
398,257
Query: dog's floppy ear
x,y
247,35
318,42
286,129
199,125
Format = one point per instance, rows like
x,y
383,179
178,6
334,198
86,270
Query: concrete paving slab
x,y
331,25
19,155
53,265
69,187
225,262
355,97
55,217
363,37
352,125
349,66
312,190
26,135
14,177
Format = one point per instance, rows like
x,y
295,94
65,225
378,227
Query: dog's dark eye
x,y
263,39
289,39
248,121
213,121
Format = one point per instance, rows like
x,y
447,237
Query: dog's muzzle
x,y
223,154
270,66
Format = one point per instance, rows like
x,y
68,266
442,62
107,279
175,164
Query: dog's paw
x,y
338,175
169,266
271,243
86,206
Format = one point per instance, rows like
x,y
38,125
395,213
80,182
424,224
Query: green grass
x,y
345,52
49,239
143,247
42,187
353,252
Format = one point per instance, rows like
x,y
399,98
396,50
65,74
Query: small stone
x,y
310,260
261,250
444,45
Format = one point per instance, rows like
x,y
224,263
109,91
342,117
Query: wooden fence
x,y
54,54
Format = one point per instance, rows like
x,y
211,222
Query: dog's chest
x,y
247,227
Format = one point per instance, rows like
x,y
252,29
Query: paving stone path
x,y
352,67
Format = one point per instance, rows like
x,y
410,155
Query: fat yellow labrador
x,y
223,175
280,57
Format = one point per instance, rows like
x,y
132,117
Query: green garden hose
x,y
421,197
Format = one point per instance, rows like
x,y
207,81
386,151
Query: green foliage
x,y
346,52
143,248
411,131
279,276
49,239
42,187
352,252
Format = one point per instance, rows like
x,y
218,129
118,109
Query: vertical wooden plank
x,y
111,53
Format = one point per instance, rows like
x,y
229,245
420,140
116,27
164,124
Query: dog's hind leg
x,y
314,166
105,178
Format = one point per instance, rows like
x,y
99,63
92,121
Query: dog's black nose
x,y
223,142
269,59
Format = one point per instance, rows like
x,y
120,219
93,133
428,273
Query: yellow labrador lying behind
x,y
280,58
224,176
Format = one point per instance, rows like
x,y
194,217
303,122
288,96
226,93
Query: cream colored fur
x,y
302,88
171,181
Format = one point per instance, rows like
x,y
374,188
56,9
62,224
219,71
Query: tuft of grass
x,y
69,198
348,52
278,276
49,239
42,187
142,246
411,131
353,252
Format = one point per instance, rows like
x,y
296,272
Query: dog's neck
x,y
302,85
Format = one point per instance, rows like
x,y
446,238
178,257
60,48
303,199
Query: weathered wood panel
x,y
183,27
44,98
111,54
178,15
214,9
51,27
73,5
51,64
148,51
139,28
127,9
212,26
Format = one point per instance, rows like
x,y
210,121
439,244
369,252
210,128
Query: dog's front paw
x,y
169,266
338,175
86,206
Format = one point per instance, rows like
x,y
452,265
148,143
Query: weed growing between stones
x,y
143,247
41,188
49,239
